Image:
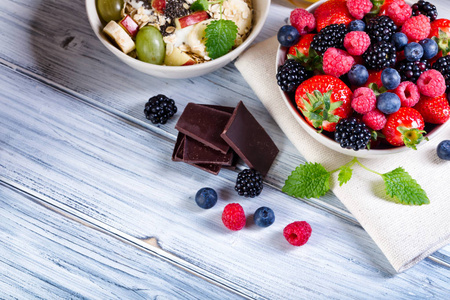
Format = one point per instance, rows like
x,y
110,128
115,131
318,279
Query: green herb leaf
x,y
200,5
344,175
403,188
307,181
220,36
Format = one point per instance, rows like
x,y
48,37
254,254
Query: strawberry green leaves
x,y
411,136
403,188
308,180
312,62
443,42
319,108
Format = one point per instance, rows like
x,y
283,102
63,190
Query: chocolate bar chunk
x,y
250,141
204,124
197,153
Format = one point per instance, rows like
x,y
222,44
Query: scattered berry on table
x,y
431,83
400,40
332,12
411,70
434,110
206,197
380,55
399,12
357,25
375,119
390,78
233,217
331,36
381,29
405,127
408,93
337,62
159,109
425,8
352,134
288,36
356,42
364,100
443,66
417,28
388,103
302,20
358,75
249,183
264,217
413,51
291,74
359,8
443,150
430,48
297,233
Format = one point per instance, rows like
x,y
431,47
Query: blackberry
x,y
249,183
291,74
352,134
331,36
159,109
425,8
381,29
443,66
411,70
380,55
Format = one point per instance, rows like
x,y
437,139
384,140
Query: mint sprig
x,y
200,5
220,36
313,180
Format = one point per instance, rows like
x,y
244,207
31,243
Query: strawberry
x,y
404,127
303,45
323,100
303,53
440,32
332,12
434,110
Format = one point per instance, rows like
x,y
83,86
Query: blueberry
x,y
413,51
430,48
264,217
388,103
390,78
400,40
358,75
443,150
206,197
357,25
288,36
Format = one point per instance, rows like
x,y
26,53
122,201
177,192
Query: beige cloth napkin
x,y
405,234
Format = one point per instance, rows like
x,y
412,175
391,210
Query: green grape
x,y
109,10
150,46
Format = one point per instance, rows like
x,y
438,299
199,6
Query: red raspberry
x,y
356,42
431,83
303,20
358,8
375,119
399,12
364,100
337,62
408,93
233,216
417,28
297,233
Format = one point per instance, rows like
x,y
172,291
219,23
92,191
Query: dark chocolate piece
x,y
179,143
197,153
204,124
228,109
249,140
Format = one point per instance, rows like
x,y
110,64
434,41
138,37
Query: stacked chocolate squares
x,y
212,137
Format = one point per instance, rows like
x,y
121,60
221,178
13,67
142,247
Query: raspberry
x,y
417,28
337,62
233,216
358,8
297,233
364,100
375,119
303,20
431,83
356,42
408,93
399,12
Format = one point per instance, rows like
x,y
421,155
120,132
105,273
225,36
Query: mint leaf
x,y
308,181
403,188
200,5
344,175
220,36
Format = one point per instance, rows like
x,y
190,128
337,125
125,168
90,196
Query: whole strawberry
x,y
434,110
440,32
302,53
332,12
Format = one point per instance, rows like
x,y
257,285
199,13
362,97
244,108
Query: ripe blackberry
x,y
411,70
443,66
331,36
381,29
159,109
291,74
425,8
352,134
249,183
380,55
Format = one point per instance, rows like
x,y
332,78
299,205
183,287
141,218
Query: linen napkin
x,y
405,234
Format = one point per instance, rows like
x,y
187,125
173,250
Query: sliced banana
x,y
120,36
196,38
239,12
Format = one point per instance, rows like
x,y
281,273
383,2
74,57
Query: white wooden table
x,y
91,206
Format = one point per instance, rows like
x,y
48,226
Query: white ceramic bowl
x,y
329,142
260,12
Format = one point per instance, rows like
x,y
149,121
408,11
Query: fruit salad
x,y
176,32
368,74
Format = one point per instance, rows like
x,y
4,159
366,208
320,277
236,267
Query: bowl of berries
x,y
177,38
366,79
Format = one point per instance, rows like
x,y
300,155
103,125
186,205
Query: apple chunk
x,y
159,5
129,25
178,58
191,19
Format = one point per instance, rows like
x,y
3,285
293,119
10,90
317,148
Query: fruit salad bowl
x,y
260,12
327,138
